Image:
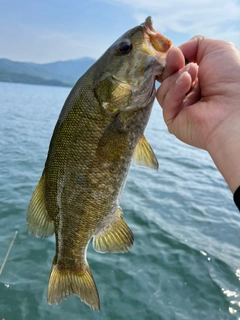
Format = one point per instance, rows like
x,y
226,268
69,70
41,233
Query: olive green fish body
x,y
89,174
98,134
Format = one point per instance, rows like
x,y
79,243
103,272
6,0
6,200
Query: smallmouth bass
x,y
97,135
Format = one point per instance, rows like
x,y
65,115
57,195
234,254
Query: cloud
x,y
43,32
70,45
220,20
46,45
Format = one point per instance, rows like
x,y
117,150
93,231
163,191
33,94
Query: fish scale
x,y
99,132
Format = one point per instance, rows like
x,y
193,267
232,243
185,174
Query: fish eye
x,y
125,47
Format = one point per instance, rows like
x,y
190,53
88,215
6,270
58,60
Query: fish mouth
x,y
159,42
156,44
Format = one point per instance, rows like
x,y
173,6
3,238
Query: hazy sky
x,y
51,30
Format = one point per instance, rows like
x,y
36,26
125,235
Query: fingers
x,y
173,100
190,48
196,48
193,96
173,91
174,61
171,81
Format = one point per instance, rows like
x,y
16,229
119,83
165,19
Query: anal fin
x,y
144,155
39,223
115,238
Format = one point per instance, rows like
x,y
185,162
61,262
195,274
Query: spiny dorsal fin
x,y
63,283
144,155
116,238
39,223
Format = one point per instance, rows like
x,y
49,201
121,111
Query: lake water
x,y
185,261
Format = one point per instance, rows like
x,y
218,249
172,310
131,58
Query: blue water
x,y
185,262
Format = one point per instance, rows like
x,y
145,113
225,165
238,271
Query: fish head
x,y
128,69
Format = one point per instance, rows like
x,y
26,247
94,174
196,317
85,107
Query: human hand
x,y
201,101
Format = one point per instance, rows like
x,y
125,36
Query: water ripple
x,y
184,263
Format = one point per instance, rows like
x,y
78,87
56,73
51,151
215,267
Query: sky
x,y
51,30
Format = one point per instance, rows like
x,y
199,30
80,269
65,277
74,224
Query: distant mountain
x,y
7,76
60,73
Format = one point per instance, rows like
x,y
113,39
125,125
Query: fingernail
x,y
180,77
187,67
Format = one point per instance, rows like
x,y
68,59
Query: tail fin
x,y
63,283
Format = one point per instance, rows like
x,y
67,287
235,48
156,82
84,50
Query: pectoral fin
x,y
144,155
116,238
39,223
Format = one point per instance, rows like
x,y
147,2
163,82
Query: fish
x,y
99,133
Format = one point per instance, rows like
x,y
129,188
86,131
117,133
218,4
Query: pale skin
x,y
201,101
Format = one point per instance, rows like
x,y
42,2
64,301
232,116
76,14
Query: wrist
x,y
224,149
